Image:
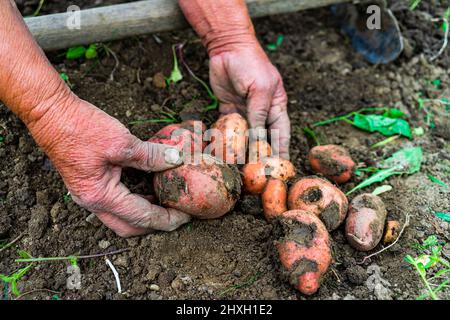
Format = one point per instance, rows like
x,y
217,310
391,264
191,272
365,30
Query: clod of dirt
x,y
38,222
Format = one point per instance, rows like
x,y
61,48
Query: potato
x,y
274,198
259,150
255,175
206,190
304,249
365,222
186,136
320,197
233,128
332,161
279,168
392,231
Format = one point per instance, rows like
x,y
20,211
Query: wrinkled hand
x,y
244,80
89,149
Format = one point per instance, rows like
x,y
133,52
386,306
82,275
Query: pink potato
x,y
206,190
186,136
256,175
233,128
332,161
304,249
365,222
320,197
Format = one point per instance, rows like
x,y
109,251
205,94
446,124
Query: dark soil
x,y
324,78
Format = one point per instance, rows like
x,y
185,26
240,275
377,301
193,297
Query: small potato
x,y
392,231
259,150
207,190
332,161
186,136
255,175
279,168
320,197
304,249
274,198
233,128
365,222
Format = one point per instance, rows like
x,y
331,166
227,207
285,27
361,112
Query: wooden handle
x,y
136,18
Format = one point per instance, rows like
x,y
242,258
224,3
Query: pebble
x,y
104,244
92,219
154,287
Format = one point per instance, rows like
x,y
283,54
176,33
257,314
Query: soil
x,y
233,257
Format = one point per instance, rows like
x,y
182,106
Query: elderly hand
x,y
245,81
89,149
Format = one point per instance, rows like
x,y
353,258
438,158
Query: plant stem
x,y
427,285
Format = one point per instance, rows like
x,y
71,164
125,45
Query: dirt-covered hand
x,y
244,80
89,149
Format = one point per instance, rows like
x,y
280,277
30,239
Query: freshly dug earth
x,y
324,78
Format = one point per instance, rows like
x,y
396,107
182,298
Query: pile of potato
x,y
303,213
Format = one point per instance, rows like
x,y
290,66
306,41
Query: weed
x,y
214,101
388,123
277,44
431,267
404,161
175,75
11,280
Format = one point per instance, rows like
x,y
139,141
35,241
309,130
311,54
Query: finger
x,y
278,119
258,107
139,212
121,228
148,156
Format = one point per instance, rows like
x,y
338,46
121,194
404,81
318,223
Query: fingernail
x,y
172,156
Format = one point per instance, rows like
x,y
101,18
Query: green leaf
x,y
75,52
437,181
394,113
430,241
381,189
385,125
443,215
410,260
91,52
406,160
377,177
409,160
276,45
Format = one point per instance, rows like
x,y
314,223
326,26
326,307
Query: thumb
x,y
149,156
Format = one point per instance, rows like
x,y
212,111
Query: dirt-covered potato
x,y
233,128
365,222
304,249
207,190
320,197
186,136
332,161
256,175
274,198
